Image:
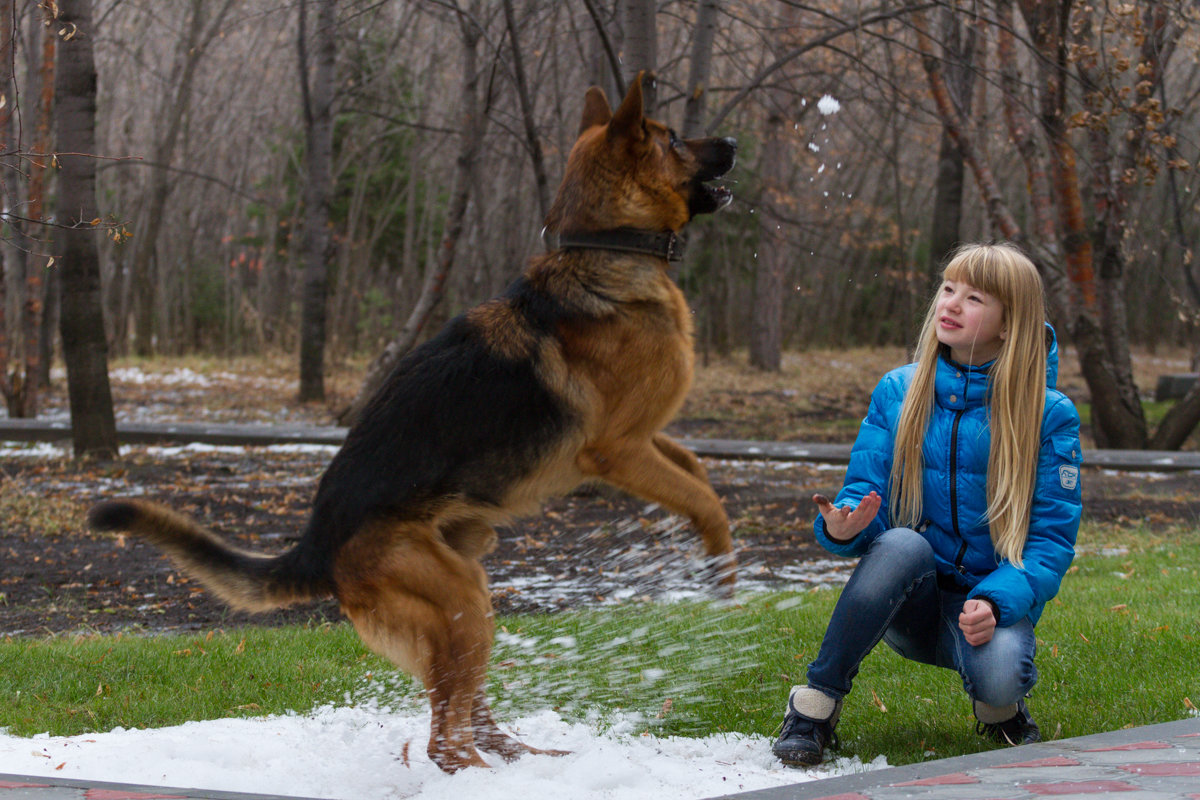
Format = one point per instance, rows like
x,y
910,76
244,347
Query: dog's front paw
x,y
720,572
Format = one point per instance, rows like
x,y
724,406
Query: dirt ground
x,y
593,547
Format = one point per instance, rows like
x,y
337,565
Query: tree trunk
x,y
50,321
8,35
608,68
474,124
93,427
532,142
641,46
35,289
148,306
318,118
775,207
766,322
1179,422
1110,201
22,384
945,230
699,68
1120,422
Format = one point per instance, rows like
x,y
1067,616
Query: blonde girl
x,y
962,501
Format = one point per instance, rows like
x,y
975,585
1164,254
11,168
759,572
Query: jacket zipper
x,y
962,550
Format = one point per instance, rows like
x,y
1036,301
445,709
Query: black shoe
x,y
804,737
1017,729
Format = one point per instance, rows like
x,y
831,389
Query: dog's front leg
x,y
681,456
657,470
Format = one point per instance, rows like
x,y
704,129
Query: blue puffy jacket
x,y
955,494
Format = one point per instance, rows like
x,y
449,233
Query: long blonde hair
x,y
1015,400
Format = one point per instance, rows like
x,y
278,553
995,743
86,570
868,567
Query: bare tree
x,y
25,189
473,116
959,42
35,288
93,426
8,35
228,259
640,28
699,68
775,212
318,125
200,32
532,141
1088,301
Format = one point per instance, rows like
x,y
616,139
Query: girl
x,y
962,498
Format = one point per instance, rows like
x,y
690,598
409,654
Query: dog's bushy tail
x,y
247,581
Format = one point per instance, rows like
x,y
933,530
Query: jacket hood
x,y
1051,357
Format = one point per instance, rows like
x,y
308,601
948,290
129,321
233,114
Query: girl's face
x,y
970,323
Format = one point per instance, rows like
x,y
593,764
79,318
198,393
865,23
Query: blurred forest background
x,y
332,177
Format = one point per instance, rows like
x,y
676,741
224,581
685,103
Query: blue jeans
x,y
894,595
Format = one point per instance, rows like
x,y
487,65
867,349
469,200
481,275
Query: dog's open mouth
x,y
708,198
717,157
720,194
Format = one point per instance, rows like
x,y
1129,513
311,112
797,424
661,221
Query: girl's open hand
x,y
843,524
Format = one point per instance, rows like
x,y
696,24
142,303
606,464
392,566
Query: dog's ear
x,y
595,109
627,120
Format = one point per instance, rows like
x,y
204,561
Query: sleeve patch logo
x,y
1068,476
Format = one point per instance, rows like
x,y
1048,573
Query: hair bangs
x,y
984,268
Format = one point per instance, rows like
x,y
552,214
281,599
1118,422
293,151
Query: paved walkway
x,y
20,787
1157,762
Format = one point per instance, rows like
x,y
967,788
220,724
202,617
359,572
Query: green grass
x,y
1116,648
70,685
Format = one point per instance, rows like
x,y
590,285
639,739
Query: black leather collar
x,y
663,244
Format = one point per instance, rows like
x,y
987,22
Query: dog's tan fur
x,y
567,378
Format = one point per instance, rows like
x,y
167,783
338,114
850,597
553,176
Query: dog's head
x,y
629,171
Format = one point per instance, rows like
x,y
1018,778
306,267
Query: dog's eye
x,y
675,140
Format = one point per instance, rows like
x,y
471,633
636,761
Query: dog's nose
x,y
729,141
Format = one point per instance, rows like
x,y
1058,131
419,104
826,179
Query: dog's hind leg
x,y
474,539
652,469
489,737
419,603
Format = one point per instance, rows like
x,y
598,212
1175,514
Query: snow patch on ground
x,y
368,752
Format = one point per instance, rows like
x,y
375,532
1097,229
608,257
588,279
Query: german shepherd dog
x,y
566,378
